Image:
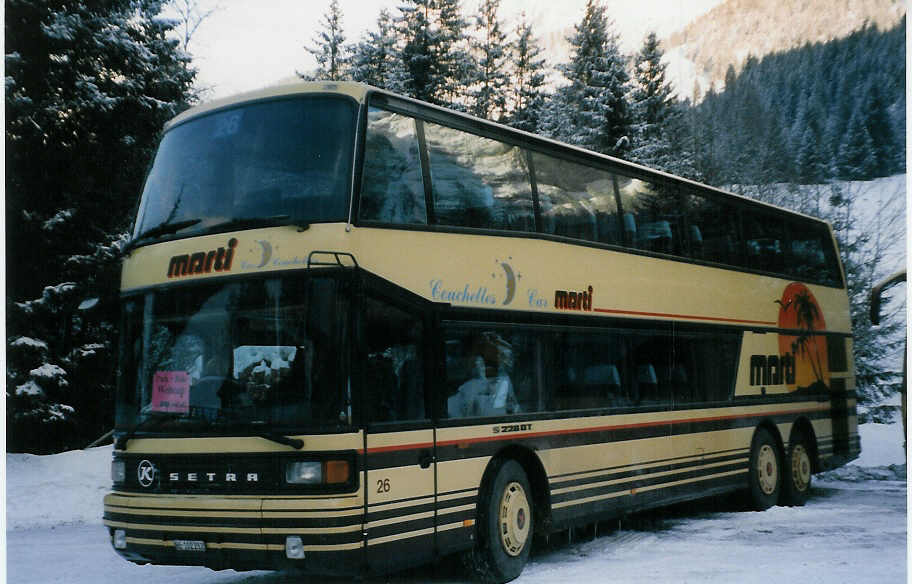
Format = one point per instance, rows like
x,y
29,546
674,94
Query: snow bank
x,y
68,488
881,445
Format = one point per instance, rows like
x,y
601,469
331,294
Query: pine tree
x,y
418,50
455,67
527,98
329,47
489,97
652,95
598,112
376,60
660,133
89,86
880,129
808,164
434,51
862,246
856,156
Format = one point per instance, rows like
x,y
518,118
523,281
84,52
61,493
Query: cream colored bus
x,y
361,332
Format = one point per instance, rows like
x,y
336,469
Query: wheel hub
x,y
513,519
767,471
801,468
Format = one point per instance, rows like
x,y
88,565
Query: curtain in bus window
x,y
653,360
490,372
394,372
764,236
652,216
593,370
811,256
392,190
478,182
702,367
577,201
714,234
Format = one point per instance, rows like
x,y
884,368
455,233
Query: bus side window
x,y
577,201
394,371
478,182
765,238
810,253
590,369
713,231
654,215
392,190
480,372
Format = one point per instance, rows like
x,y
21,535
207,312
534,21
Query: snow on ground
x,y
60,489
881,445
852,530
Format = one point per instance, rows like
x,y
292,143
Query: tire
x,y
504,525
765,471
798,468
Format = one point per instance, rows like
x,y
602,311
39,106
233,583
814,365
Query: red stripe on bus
x,y
688,316
512,436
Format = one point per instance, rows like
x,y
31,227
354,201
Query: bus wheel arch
x,y
511,487
765,469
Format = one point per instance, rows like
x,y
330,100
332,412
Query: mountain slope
x,y
728,33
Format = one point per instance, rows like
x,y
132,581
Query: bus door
x,y
400,463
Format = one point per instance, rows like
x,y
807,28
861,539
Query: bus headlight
x,y
313,472
118,471
304,473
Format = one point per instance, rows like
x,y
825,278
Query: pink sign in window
x,y
171,392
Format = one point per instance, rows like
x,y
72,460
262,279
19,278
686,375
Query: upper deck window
x,y
424,168
284,160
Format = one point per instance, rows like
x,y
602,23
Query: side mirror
x,y
878,290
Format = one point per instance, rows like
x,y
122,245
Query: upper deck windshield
x,y
284,160
242,355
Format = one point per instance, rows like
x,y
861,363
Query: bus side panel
x,y
604,480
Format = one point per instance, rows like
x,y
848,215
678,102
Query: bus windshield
x,y
284,160
248,354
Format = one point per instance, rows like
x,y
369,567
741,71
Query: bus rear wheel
x,y
505,524
765,471
797,483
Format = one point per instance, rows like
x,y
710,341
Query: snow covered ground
x,y
854,529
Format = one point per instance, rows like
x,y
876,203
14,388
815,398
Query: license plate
x,y
189,545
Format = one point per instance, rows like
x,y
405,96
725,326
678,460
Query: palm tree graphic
x,y
807,313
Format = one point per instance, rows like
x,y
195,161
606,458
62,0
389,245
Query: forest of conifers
x,y
89,86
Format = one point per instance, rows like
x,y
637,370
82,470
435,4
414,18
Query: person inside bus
x,y
489,392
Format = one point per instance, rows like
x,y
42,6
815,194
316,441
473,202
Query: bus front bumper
x,y
318,535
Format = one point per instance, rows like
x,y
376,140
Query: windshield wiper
x,y
121,442
252,222
159,230
295,443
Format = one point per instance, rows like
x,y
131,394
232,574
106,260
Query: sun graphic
x,y
799,311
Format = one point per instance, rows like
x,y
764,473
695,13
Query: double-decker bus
x,y
360,332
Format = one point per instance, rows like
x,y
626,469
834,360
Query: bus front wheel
x,y
504,525
765,470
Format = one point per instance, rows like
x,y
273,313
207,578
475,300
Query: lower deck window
x,y
498,370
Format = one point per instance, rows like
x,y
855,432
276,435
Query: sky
x,y
248,44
